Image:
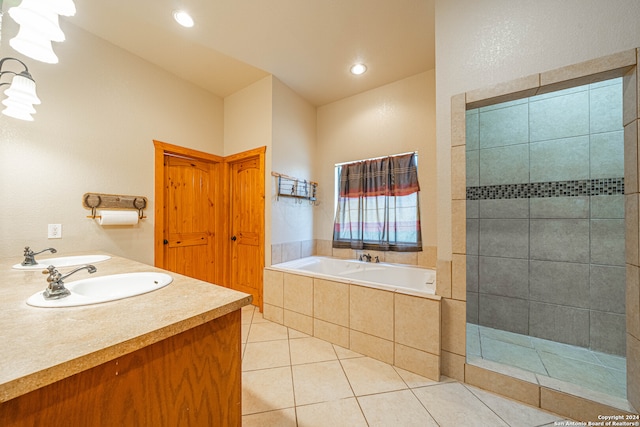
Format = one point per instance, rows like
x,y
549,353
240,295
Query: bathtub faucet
x,y
365,257
29,255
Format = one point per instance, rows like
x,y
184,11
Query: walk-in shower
x,y
545,236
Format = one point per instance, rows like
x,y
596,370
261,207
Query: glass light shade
x,y
63,7
41,21
18,106
17,113
22,90
32,44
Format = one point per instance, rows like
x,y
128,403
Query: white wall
x,y
479,44
248,117
293,154
101,110
392,119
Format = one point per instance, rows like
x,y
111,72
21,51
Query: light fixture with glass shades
x,y
358,69
183,18
21,94
39,26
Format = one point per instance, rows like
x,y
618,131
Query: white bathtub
x,y
390,277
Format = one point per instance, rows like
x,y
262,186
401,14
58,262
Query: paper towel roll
x,y
128,217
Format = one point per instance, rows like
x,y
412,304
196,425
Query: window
x,y
378,204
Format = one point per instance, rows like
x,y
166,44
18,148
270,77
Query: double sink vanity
x,y
131,345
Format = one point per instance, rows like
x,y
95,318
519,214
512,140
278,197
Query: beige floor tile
x,y
414,380
266,354
247,314
345,353
324,390
281,418
293,334
258,317
310,350
336,413
245,327
514,413
370,376
396,408
267,390
320,382
452,404
267,331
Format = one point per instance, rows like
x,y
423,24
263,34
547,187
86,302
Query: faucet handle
x,y
53,273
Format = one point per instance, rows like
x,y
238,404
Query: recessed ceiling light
x,y
183,18
358,69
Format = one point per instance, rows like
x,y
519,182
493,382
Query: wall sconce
x,y
21,94
39,26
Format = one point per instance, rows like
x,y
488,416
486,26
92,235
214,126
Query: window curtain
x,y
378,205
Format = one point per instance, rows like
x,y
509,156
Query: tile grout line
x,y
293,383
350,386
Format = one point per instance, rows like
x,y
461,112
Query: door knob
x,y
233,238
165,242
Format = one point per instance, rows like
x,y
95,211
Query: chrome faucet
x,y
56,289
29,255
365,257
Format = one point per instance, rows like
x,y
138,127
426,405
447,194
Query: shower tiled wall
x,y
545,216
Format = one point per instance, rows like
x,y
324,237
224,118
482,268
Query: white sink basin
x,y
64,261
104,288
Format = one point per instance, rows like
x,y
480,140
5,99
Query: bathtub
x,y
389,312
389,277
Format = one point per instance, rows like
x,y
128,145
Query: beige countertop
x,y
39,346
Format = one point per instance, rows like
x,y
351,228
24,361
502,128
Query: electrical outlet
x,y
55,231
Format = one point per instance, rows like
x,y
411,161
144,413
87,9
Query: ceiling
x,y
309,45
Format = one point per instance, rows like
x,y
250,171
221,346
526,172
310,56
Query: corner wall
x,y
294,153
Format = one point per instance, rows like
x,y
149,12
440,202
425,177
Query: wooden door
x,y
188,241
246,199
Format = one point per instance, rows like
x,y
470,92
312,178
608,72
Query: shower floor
x,y
560,366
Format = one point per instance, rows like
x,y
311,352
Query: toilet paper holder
x,y
93,201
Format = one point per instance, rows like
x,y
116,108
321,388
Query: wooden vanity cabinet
x,y
189,379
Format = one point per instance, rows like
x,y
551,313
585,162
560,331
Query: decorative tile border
x,y
583,187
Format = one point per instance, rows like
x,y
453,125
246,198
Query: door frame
x,y
162,148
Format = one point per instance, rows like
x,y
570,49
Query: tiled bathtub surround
x,y
289,251
398,329
283,252
545,216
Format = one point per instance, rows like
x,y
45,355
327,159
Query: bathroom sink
x,y
105,288
64,261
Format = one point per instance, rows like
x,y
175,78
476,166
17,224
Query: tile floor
x,y
600,372
292,379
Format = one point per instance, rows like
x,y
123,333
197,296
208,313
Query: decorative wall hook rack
x,y
94,201
300,189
